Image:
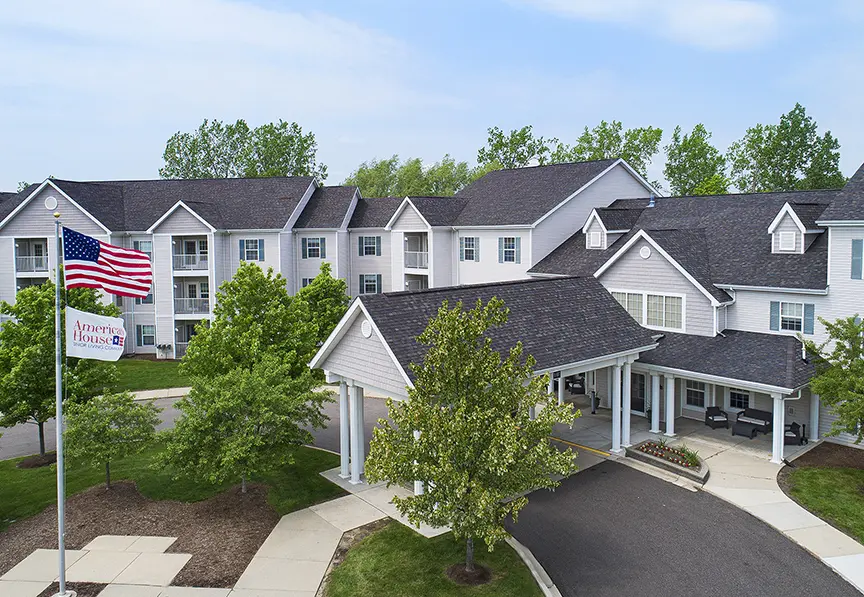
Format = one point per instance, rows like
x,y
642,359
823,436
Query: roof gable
x,y
50,187
181,218
407,216
329,207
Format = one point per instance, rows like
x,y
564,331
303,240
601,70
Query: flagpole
x,y
58,392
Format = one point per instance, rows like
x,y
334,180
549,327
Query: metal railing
x,y
417,259
192,306
180,349
190,262
31,263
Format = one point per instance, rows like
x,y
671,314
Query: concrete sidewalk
x,y
748,481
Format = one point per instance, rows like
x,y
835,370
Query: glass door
x,y
637,393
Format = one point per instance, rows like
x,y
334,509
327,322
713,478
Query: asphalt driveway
x,y
611,531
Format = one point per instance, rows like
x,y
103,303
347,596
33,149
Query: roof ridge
x,y
555,164
183,180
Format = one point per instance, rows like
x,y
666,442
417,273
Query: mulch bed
x,y
221,533
825,455
82,589
38,461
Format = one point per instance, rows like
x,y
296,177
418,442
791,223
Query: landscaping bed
x,y
395,561
676,459
829,482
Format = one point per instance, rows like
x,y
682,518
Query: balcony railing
x,y
180,349
192,306
183,261
31,264
417,259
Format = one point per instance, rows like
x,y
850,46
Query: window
x,y
145,246
147,300
202,247
204,290
595,239
312,248
665,311
370,246
695,393
146,335
469,248
787,240
306,282
509,249
632,301
370,283
739,399
118,300
249,249
792,317
857,258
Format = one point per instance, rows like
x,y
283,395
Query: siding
x,y
488,269
657,275
163,293
787,224
826,421
618,183
409,219
35,220
595,227
181,222
751,311
7,269
369,264
309,268
343,255
271,250
442,257
365,360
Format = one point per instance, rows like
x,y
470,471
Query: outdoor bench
x,y
761,419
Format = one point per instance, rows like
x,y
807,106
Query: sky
x,y
92,89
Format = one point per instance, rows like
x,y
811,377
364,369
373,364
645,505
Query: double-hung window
x,y
739,399
857,258
314,248
145,246
632,301
469,248
204,290
792,317
370,246
665,311
252,249
695,393
146,335
509,249
306,282
147,300
370,283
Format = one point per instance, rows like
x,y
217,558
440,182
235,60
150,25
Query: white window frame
x,y
645,293
147,300
202,247
786,234
730,391
304,282
317,247
138,244
798,318
628,297
691,385
145,336
595,240
511,251
367,279
247,250
204,290
473,248
367,246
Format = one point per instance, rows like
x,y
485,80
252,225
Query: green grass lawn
x,y
143,374
396,561
834,494
25,492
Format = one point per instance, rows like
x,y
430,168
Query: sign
x,y
90,336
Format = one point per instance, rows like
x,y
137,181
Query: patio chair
x,y
792,435
715,417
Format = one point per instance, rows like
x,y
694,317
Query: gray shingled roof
x,y
618,219
227,203
439,211
689,248
737,243
768,359
327,208
808,213
374,212
849,204
559,321
521,196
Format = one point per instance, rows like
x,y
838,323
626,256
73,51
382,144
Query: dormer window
x,y
595,239
788,231
787,240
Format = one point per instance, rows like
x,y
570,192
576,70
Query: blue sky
x,y
92,89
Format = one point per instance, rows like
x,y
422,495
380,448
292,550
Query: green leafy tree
x,y
839,379
718,184
109,427
246,422
27,357
787,156
219,150
394,178
327,299
477,445
691,160
516,149
607,140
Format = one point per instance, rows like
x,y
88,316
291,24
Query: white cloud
x,y
708,24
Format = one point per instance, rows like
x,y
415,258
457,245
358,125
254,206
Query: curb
x,y
537,571
158,394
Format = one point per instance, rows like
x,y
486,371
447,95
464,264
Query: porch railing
x,y
25,263
180,349
192,306
417,259
184,261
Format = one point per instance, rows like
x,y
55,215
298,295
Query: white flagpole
x,y
58,383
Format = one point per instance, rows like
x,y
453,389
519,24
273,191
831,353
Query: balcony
x,y
180,349
192,306
26,263
417,259
190,262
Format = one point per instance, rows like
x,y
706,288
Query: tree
x,y
608,140
218,150
691,160
109,427
839,379
245,422
477,445
27,357
327,299
717,184
787,156
393,178
516,149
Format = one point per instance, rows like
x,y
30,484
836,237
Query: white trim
x,y
350,213
593,361
644,322
39,189
506,226
543,275
301,205
400,209
725,381
771,289
644,235
594,216
786,209
829,223
171,211
786,235
828,273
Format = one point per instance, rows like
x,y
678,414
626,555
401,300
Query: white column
x,y
361,428
418,485
669,382
344,431
616,409
778,431
561,389
655,403
626,399
813,432
355,405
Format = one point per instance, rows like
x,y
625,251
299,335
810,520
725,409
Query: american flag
x,y
90,263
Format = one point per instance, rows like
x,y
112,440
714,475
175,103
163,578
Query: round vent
x,y
645,252
366,329
51,202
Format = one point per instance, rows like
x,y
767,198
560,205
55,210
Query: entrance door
x,y
637,393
